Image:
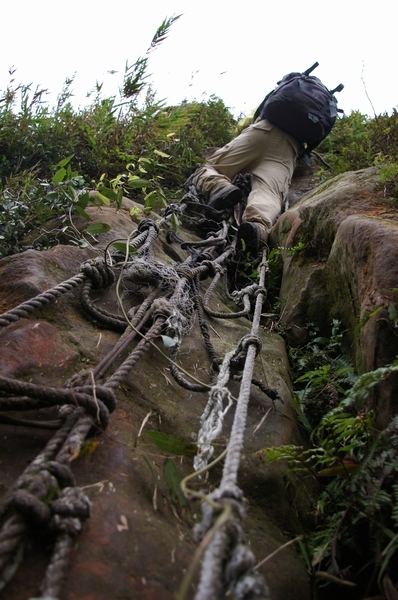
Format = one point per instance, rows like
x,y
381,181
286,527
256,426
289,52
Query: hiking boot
x,y
254,238
225,197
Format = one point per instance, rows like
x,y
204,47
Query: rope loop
x,y
232,497
260,290
98,272
212,267
239,358
34,489
185,271
173,208
162,308
248,340
146,224
171,237
69,511
102,394
250,290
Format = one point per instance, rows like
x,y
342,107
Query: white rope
x,y
213,415
231,551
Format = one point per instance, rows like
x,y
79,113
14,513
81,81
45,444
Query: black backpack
x,y
302,107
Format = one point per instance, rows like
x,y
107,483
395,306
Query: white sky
x,y
236,51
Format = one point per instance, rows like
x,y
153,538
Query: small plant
x,y
355,539
388,182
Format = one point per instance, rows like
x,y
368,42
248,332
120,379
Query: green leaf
x,y
392,313
173,482
150,200
175,224
109,193
83,200
305,554
134,211
151,469
96,228
80,211
137,182
59,176
122,247
119,198
104,199
162,154
170,443
65,161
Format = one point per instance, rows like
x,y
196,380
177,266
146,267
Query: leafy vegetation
x,y
129,144
355,466
358,142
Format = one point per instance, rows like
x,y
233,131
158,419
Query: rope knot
x,y
162,308
69,511
251,291
146,224
185,271
173,208
37,488
101,393
212,268
232,497
100,274
241,351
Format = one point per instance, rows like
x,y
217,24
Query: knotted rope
x,y
99,273
228,562
172,305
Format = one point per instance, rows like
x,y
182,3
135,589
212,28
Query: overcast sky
x,y
235,50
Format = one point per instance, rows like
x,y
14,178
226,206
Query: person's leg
x,y
271,179
217,173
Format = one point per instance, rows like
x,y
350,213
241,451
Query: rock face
x,y
138,542
340,262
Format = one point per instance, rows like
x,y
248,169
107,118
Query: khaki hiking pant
x,y
269,155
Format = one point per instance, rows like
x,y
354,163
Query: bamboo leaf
x,y
109,193
122,247
59,176
104,199
80,211
96,228
137,182
170,443
162,154
173,481
175,224
65,161
83,200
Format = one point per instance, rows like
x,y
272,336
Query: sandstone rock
x,y
340,256
138,542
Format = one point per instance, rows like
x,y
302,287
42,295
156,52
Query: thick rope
x,y
49,475
12,536
99,401
23,309
96,270
211,421
122,372
233,571
100,314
